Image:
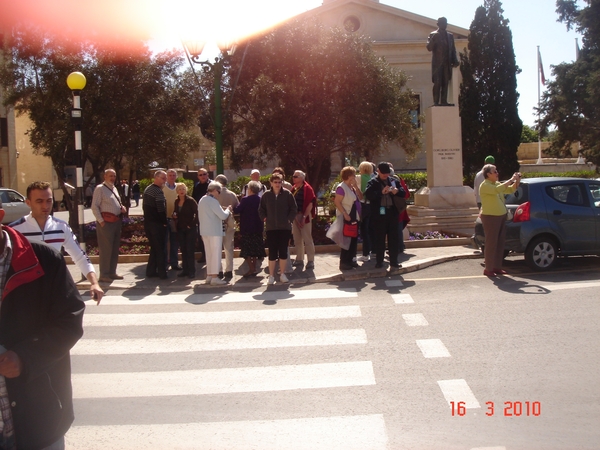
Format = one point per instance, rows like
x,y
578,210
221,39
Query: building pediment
x,y
379,22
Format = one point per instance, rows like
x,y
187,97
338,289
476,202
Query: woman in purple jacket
x,y
251,228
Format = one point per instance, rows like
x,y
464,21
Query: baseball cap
x,y
384,167
255,171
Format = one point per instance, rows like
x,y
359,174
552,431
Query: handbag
x,y
110,217
350,228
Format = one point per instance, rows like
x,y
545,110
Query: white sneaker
x,y
283,278
271,280
364,258
208,279
217,282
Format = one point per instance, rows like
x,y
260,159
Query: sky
x,y
165,22
532,22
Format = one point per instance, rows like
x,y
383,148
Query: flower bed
x,y
430,235
135,242
133,237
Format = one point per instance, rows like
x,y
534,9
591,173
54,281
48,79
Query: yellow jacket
x,y
492,197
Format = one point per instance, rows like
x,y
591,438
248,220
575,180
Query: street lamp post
x,y
76,82
194,49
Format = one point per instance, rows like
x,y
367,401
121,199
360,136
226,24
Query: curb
x,y
334,278
319,249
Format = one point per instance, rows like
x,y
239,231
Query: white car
x,y
14,205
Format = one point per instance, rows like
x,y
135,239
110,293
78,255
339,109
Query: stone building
x,y
400,37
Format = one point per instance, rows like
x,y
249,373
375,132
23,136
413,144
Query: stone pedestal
x,y
445,204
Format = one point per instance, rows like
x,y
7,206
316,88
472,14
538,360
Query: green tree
x,y
529,134
306,92
488,94
571,102
137,108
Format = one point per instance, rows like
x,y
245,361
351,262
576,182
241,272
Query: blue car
x,y
551,217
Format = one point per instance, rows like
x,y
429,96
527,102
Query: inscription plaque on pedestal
x,y
443,143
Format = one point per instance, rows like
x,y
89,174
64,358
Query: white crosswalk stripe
x,y
222,342
366,432
185,318
157,325
223,381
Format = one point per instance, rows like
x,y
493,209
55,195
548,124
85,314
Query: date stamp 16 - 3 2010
x,y
507,409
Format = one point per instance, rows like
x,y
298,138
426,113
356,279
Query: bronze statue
x,y
441,44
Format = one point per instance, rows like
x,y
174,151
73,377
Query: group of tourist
x,y
375,204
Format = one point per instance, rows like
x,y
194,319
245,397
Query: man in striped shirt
x,y
155,225
40,226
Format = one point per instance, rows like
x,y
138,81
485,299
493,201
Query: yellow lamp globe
x,y
76,81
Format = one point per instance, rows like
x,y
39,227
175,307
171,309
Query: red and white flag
x,y
541,68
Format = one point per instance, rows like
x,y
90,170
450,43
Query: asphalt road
x,y
359,365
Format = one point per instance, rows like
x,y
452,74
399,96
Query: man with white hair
x,y
254,176
226,199
108,211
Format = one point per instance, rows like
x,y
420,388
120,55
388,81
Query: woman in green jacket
x,y
493,216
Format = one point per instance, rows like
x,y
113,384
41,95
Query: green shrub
x,y
575,174
145,182
238,184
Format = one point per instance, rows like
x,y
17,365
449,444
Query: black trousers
x,y
346,256
386,225
366,229
157,260
187,241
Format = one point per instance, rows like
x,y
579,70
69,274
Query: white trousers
x,y
212,246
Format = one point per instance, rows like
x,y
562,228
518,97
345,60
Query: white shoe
x,y
208,280
283,278
364,258
217,282
271,280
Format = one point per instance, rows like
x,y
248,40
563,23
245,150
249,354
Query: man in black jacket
x,y
41,315
155,225
384,214
199,191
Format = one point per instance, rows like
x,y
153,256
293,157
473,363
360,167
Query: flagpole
x,y
540,160
580,159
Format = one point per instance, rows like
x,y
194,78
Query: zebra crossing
x,y
183,393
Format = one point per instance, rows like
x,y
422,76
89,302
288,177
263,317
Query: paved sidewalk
x,y
326,270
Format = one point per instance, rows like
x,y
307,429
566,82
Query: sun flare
x,y
164,21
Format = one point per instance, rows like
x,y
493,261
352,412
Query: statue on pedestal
x,y
441,44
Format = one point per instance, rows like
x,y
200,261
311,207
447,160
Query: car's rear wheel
x,y
542,253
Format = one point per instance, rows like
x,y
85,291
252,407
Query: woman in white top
x,y
348,208
211,216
